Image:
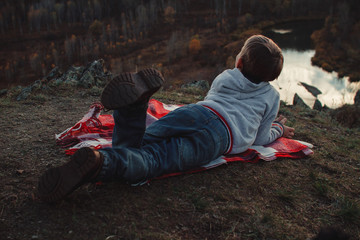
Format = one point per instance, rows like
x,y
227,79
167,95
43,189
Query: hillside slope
x,y
282,199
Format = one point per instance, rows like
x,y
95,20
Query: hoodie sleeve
x,y
269,129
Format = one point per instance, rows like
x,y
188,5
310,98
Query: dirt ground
x,y
282,199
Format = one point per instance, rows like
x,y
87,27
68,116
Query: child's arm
x,y
288,131
271,129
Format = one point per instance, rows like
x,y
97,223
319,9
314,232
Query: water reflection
x,y
298,68
294,39
282,31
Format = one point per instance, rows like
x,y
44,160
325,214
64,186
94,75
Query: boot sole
x,y
57,183
129,88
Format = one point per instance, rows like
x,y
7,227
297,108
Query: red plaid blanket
x,y
95,130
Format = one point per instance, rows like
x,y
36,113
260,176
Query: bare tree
x,y
71,11
344,10
142,19
124,26
97,9
240,2
70,47
60,11
2,25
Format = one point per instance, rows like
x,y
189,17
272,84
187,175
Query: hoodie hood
x,y
233,83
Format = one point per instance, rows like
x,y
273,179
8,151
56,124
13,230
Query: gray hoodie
x,y
247,109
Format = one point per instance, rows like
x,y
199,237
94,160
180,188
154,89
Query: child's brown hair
x,y
261,60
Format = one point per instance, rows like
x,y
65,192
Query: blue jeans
x,y
184,139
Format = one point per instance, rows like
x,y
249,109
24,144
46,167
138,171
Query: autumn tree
x,y
112,31
9,73
194,46
169,15
96,28
70,47
35,62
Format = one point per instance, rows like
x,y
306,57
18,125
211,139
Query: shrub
x,y
96,28
194,46
347,115
348,210
327,67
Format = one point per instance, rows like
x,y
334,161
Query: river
x,y
294,40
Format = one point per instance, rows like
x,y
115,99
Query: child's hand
x,y
288,131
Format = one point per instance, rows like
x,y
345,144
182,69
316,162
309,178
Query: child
x,y
238,111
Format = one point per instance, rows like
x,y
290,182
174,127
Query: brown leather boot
x,y
56,183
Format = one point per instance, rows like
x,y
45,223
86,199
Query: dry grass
x,y
282,199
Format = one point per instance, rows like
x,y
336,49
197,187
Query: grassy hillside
x,y
282,199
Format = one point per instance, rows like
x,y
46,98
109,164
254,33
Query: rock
x,y
326,108
311,89
357,98
317,105
25,92
71,76
94,75
297,101
202,85
54,73
36,85
87,79
89,76
3,92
